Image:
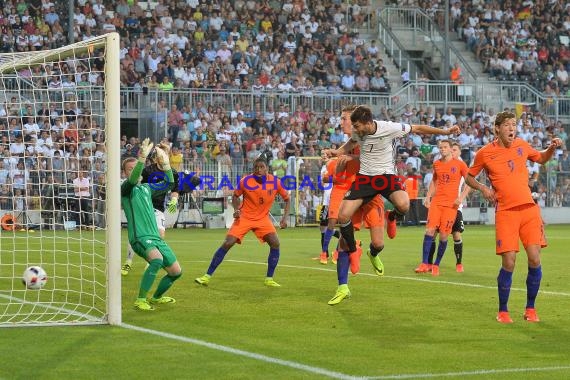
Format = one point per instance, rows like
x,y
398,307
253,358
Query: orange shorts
x,y
260,228
372,214
441,218
522,222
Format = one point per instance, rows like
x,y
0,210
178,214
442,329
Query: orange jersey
x,y
447,177
341,184
258,197
506,168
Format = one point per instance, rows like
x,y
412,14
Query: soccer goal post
x,y
60,184
309,189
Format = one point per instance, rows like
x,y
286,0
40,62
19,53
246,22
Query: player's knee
x,y
175,275
377,246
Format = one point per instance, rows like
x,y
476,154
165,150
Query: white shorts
x,y
160,220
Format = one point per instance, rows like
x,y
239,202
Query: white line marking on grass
x,y
251,355
470,373
420,279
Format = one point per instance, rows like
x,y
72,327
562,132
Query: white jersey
x,y
328,187
377,149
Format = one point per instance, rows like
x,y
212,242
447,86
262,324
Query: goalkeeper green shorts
x,y
143,246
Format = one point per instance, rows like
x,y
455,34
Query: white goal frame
x,y
12,63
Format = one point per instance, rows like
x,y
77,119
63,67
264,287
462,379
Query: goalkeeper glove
x,y
162,159
144,150
172,205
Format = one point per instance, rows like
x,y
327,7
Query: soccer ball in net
x,y
34,277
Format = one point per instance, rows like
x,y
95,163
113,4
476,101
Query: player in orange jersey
x,y
342,180
447,174
516,214
258,191
458,225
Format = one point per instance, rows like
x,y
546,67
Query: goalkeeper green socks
x,y
165,284
149,276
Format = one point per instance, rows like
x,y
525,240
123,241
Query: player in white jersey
x,y
377,174
458,226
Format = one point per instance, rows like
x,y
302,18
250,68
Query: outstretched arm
x,y
427,130
344,149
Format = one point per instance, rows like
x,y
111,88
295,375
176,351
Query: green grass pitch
x,y
401,325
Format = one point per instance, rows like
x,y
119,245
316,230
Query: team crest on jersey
x,y
519,152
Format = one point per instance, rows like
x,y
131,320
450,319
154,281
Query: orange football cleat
x,y
335,256
323,259
390,226
459,268
530,315
423,268
354,259
504,317
435,270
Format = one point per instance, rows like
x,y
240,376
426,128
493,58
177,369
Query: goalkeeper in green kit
x,y
136,199
158,200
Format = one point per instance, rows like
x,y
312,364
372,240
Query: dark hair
x,y
361,114
502,116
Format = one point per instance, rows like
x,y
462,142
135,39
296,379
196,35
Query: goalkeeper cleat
x,y
459,268
125,269
342,292
376,263
162,300
142,304
335,257
530,315
504,317
204,280
271,283
323,259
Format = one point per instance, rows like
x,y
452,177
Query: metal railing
x,y
426,34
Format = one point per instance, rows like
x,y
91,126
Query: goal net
x,y
60,184
309,188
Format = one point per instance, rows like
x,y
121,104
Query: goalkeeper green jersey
x,y
136,199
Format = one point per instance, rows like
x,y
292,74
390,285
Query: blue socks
x,y
328,234
216,260
428,240
342,265
504,282
532,285
440,251
272,261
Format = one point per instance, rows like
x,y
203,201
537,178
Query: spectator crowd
x,y
293,46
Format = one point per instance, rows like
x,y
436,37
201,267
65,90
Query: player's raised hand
x,y
556,142
328,154
146,147
165,146
455,130
162,159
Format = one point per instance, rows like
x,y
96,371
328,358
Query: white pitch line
x,y
247,354
471,373
420,279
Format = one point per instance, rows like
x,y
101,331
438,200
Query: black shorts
x,y
367,187
458,226
324,216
